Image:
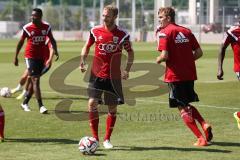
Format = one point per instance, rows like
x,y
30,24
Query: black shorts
x,y
34,66
181,94
112,90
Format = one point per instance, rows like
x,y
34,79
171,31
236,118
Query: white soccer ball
x,y
5,92
88,145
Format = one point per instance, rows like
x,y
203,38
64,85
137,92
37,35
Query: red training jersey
x,y
179,42
36,37
232,36
108,50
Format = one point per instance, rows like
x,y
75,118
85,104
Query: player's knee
x,y
92,105
35,79
112,110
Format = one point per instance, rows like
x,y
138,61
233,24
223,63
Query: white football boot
x,y
25,107
107,144
43,110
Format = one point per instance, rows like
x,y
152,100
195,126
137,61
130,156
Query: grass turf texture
x,y
146,130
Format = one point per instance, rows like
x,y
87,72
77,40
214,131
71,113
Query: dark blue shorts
x,y
34,66
181,94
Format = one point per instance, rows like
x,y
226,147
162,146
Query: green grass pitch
x,y
146,128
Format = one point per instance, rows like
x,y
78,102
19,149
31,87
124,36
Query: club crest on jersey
x,y
115,39
32,33
44,32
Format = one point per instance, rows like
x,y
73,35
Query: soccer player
x,y
2,122
36,33
106,74
48,57
179,49
231,37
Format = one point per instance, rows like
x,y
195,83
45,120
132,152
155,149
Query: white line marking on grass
x,y
203,105
209,106
216,81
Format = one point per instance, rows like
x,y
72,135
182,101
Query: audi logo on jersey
x,y
109,47
37,39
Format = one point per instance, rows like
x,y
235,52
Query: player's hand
x,y
158,60
82,67
16,61
220,74
57,56
125,75
48,63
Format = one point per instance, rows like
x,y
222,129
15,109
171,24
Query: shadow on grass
x,y
134,148
49,140
230,144
54,98
62,98
41,140
95,155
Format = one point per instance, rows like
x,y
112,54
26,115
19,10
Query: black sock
x,y
40,104
27,99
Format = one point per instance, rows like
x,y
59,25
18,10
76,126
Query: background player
x,y
106,75
231,37
179,49
36,33
49,53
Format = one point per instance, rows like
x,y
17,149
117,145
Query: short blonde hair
x,y
112,9
168,11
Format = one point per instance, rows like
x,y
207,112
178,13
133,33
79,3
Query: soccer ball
x,y
88,145
5,92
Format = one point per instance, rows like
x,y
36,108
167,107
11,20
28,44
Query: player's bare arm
x,y
163,57
19,46
221,57
197,53
54,46
83,57
50,59
130,60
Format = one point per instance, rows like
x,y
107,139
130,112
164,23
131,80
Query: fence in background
x,y
73,22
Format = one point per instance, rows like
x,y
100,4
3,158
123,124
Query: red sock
x,y
110,122
196,115
93,121
238,114
190,122
2,122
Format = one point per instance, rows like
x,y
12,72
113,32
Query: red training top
x,y
36,37
108,50
180,43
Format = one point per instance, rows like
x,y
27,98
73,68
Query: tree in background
x,y
51,15
16,11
